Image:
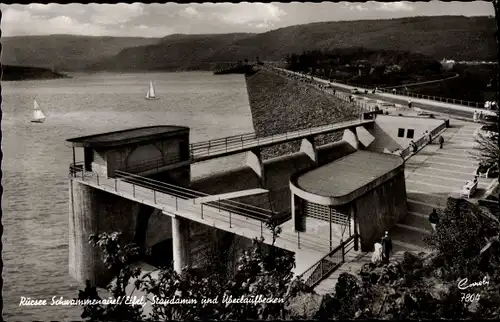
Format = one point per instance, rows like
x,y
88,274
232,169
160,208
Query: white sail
x,y
38,115
151,91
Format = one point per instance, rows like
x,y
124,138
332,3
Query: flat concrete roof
x,y
348,174
128,136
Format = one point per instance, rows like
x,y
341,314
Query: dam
x,y
333,201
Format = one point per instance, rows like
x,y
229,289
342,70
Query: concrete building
x,y
361,193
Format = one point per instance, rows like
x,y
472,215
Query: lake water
x,y
36,158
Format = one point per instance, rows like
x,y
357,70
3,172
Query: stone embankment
x,y
281,104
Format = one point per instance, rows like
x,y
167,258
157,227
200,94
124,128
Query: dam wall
x,y
280,104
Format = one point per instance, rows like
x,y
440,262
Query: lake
x,y
36,159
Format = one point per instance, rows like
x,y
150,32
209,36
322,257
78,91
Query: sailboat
x,y
38,115
150,95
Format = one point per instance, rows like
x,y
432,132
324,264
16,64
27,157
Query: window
x,y
410,134
401,133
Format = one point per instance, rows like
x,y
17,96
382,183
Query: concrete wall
x,y
277,177
132,156
95,211
99,162
385,131
158,229
380,209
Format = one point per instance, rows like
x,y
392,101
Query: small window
x,y
401,133
410,134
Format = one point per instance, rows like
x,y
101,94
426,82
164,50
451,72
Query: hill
x,y
176,52
452,37
64,52
14,73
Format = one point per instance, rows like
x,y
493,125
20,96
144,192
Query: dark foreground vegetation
x,y
466,252
389,68
15,73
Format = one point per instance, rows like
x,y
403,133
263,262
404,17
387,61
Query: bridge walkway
x,y
216,148
240,219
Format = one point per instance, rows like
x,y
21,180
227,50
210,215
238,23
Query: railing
x,y
423,141
249,219
223,143
185,193
329,263
435,98
402,93
152,164
76,167
208,148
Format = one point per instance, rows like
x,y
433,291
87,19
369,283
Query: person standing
x,y
434,219
441,141
377,254
413,146
386,246
409,103
429,136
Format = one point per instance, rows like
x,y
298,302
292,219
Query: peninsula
x,y
16,73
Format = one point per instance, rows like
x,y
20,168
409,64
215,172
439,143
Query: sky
x,y
159,20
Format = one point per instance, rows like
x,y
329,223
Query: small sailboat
x,y
150,95
38,115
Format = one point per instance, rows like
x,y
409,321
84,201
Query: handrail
x,y
422,141
325,266
187,193
157,162
206,148
230,215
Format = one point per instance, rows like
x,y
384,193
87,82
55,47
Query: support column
x,y
308,147
254,161
354,221
180,243
298,216
351,137
93,211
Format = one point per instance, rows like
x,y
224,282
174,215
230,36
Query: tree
x,y
262,271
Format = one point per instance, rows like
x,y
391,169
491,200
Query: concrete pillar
x,y
308,147
254,161
94,211
180,243
83,258
298,216
351,137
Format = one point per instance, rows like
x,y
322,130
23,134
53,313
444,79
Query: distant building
x,y
447,64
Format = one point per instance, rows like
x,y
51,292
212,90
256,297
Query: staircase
x,y
432,175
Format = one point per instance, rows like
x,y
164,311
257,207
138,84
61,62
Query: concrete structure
x,y
362,193
160,205
146,150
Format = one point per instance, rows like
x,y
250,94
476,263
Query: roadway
x,y
428,105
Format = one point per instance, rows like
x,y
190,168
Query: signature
x,y
463,283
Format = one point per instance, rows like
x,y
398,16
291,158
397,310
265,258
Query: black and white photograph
x,y
250,161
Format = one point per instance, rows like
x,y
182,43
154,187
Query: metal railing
x,y
151,164
329,263
389,90
423,141
247,218
250,140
